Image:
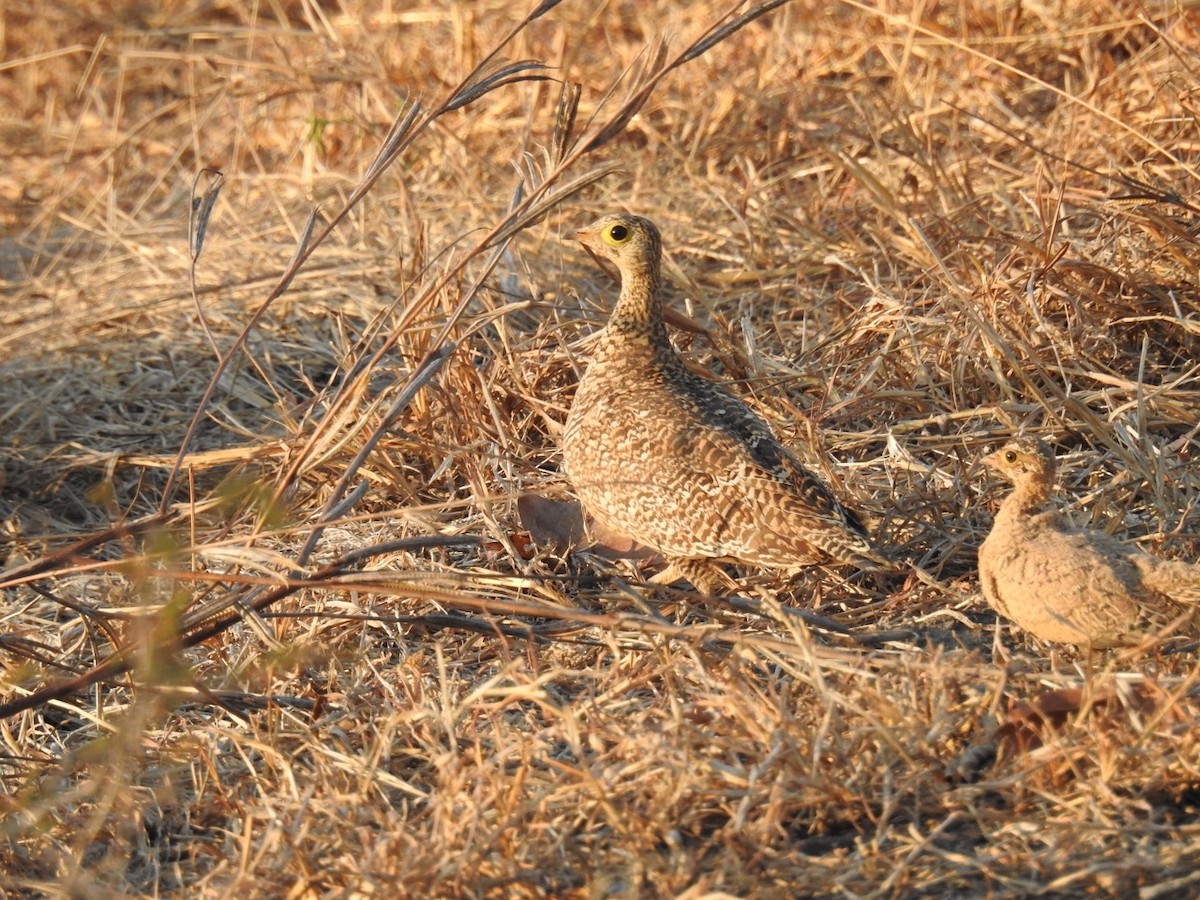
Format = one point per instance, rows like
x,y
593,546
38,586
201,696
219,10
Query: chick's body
x,y
1069,585
677,462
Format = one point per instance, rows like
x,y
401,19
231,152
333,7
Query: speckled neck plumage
x,y
638,313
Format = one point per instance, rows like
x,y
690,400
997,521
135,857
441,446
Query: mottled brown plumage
x,y
1072,585
677,462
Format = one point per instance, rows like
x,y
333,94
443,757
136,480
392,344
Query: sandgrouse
x,y
1072,585
678,463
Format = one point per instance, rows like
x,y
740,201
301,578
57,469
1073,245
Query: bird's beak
x,y
992,460
585,236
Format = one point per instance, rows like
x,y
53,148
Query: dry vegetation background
x,y
906,231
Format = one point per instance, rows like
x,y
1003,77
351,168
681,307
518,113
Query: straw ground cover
x,y
336,659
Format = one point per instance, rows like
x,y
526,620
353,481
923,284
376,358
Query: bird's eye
x,y
1010,456
617,234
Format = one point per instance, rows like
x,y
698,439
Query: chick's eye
x,y
618,234
1010,456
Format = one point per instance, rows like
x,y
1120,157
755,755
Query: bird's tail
x,y
1178,580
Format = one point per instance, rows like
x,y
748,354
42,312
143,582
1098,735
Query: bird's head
x,y
627,240
1022,461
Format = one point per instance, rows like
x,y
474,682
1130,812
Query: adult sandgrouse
x,y
1073,585
676,462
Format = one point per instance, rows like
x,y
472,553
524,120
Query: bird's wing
x,y
795,514
1145,573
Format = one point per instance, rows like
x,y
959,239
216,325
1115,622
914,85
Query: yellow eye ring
x,y
617,234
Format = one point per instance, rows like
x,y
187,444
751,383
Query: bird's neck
x,y
1027,498
638,313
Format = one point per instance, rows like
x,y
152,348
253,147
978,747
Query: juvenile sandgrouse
x,y
1073,585
678,463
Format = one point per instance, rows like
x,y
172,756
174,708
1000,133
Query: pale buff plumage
x,y
1072,585
677,462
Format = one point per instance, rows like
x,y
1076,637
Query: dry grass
x,y
900,229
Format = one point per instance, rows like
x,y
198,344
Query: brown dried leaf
x,y
560,524
551,523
